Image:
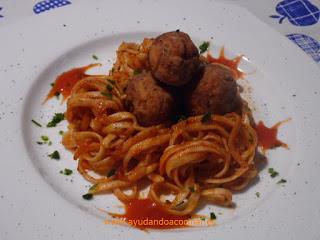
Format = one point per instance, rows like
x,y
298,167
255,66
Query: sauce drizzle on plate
x,y
145,213
267,137
65,82
231,63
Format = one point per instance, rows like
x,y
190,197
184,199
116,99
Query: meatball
x,y
215,92
173,58
148,101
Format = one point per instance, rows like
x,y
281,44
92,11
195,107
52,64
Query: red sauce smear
x,y
231,63
145,213
66,81
267,137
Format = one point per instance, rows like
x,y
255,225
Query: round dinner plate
x,y
281,82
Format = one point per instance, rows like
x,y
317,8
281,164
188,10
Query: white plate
x,y
39,203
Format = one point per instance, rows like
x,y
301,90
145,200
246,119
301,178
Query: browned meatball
x,y
215,92
173,58
149,102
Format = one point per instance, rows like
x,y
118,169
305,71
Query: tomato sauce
x,y
86,146
231,63
267,137
66,81
145,213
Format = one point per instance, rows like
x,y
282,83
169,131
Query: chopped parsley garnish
x,y
52,84
136,71
108,95
36,123
204,47
111,81
203,218
213,216
281,181
93,187
61,132
206,118
192,189
58,117
95,57
257,194
272,172
111,172
66,171
87,196
109,87
178,118
182,117
55,155
45,138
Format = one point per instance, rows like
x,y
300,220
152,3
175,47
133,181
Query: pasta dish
x,y
165,117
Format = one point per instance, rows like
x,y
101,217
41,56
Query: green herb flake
x,y
61,132
136,71
93,187
87,196
192,189
282,181
202,218
213,216
52,84
54,155
58,117
108,95
111,81
109,87
44,138
204,47
67,171
206,118
95,57
182,118
272,172
36,123
257,194
111,172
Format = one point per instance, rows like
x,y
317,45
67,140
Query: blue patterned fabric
x,y
48,5
298,12
307,44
